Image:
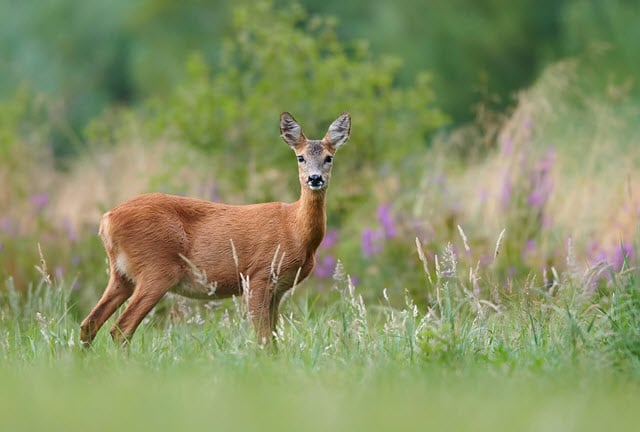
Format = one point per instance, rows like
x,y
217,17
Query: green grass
x,y
91,394
565,359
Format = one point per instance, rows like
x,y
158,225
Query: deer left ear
x,y
339,130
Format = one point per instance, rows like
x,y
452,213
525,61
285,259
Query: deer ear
x,y
338,132
290,130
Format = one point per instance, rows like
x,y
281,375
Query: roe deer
x,y
158,243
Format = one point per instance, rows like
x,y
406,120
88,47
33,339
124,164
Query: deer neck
x,y
311,218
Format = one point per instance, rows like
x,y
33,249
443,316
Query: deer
x,y
158,243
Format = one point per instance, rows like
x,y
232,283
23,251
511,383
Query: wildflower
x,y
529,248
386,220
505,194
538,197
620,255
39,200
541,183
546,163
530,245
371,242
324,267
6,225
506,146
72,234
528,123
330,239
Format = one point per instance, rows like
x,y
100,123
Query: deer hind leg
x,y
117,292
149,290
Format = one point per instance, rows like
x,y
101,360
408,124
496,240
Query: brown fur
x,y
158,243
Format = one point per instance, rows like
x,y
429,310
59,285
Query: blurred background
x,y
470,117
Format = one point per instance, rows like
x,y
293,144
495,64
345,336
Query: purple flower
x,y
72,234
330,239
506,146
529,248
505,194
620,254
541,183
386,220
6,225
615,256
371,242
596,253
530,245
75,260
39,200
325,267
539,196
548,160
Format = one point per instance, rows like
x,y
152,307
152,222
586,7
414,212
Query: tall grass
x,y
542,357
568,321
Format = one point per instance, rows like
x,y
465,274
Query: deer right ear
x,y
290,130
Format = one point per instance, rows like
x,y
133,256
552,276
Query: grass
x,y
98,396
564,358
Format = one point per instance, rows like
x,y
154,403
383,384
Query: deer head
x,y
315,157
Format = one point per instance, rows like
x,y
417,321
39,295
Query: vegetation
x,y
487,267
564,358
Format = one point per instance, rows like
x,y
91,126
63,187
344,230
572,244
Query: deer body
x,y
158,243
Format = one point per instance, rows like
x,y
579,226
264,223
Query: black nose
x,y
315,180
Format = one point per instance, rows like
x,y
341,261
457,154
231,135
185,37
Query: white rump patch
x,y
105,232
122,264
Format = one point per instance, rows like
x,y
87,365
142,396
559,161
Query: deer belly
x,y
206,290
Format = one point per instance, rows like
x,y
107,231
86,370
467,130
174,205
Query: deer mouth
x,y
315,187
315,182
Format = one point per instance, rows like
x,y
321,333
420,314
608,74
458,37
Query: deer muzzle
x,y
315,182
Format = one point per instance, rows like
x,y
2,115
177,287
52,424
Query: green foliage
x,y
283,60
126,51
479,51
607,28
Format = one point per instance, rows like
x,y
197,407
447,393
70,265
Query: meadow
x,y
539,361
477,277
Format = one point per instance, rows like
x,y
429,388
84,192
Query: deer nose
x,y
315,181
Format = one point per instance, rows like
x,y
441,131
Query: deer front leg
x,y
263,308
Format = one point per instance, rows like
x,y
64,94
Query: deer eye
x,y
328,159
300,159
